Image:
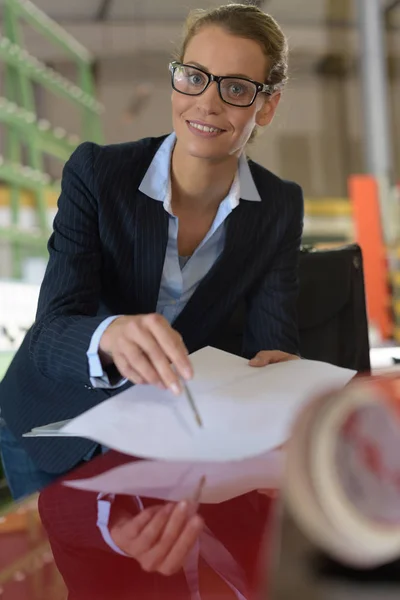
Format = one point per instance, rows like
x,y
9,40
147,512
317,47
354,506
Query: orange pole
x,y
364,194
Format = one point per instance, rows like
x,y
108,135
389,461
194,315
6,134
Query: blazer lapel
x,y
245,226
150,243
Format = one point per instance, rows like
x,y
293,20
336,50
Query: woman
x,y
154,245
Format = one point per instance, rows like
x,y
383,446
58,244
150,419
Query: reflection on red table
x,y
92,570
27,569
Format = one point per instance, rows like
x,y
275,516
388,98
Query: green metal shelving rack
x,y
23,127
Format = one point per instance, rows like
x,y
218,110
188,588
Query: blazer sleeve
x,y
70,293
271,315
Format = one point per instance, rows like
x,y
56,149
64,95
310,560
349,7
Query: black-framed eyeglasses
x,y
237,91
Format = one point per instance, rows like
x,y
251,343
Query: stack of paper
x,y
246,411
175,480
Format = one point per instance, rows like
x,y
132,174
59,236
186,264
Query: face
x,y
220,53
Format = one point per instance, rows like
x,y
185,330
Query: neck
x,y
198,183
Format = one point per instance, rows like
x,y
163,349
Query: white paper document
x,y
177,480
245,411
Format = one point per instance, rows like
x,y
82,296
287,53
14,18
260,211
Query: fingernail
x,y
196,521
175,389
182,506
187,373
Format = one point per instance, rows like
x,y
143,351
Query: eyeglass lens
x,y
193,82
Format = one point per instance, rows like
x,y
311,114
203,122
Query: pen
x,y
192,403
198,491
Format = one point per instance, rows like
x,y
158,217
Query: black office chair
x,y
332,315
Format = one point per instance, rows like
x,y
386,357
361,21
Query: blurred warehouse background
x,y
98,69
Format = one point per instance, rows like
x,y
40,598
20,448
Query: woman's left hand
x,y
270,357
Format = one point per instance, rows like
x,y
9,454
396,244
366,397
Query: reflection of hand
x,y
270,357
160,537
144,348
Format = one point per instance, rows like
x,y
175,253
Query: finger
x,y
139,362
151,533
126,370
173,529
262,359
126,527
176,558
267,357
159,361
138,522
172,344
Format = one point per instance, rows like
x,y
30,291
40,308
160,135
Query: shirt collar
x,y
156,182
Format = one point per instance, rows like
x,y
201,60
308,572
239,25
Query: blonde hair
x,y
246,21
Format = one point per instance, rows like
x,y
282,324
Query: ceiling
x,y
111,28
286,11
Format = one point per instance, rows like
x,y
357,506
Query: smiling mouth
x,y
204,129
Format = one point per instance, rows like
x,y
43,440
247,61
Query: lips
x,y
204,126
205,129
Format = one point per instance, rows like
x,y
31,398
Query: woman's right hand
x,y
160,538
145,348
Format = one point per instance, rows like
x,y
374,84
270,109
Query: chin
x,y
214,149
196,151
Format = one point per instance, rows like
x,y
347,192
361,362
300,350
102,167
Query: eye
x,y
236,89
239,89
196,78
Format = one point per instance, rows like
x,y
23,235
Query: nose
x,y
209,102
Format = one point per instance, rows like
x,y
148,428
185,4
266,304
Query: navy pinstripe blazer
x,y
106,257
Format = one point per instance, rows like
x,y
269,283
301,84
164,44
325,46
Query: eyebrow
x,y
203,68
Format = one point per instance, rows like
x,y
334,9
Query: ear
x,y
267,112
